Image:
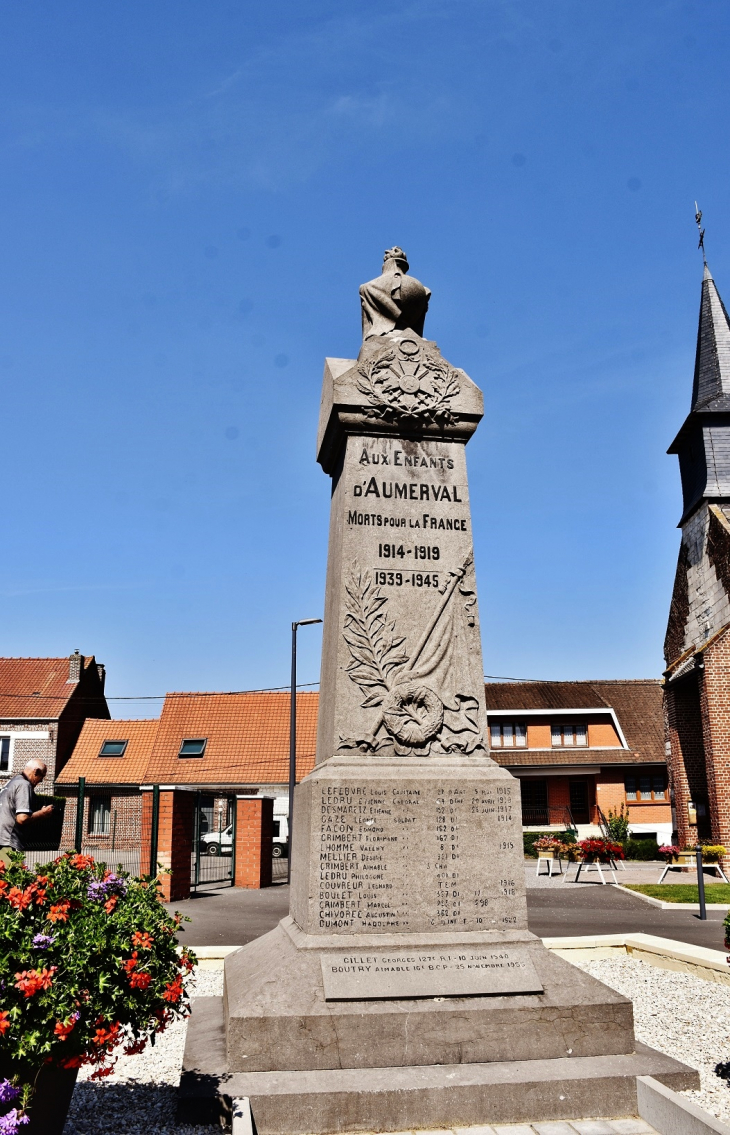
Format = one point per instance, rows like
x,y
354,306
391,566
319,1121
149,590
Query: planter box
x,y
51,1101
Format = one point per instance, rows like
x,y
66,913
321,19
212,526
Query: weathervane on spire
x,y
701,231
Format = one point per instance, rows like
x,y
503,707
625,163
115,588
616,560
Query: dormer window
x,y
508,735
193,746
567,735
113,748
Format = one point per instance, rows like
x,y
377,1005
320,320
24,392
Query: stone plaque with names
x,y
362,975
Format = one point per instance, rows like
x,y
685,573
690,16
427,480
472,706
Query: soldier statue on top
x,y
393,301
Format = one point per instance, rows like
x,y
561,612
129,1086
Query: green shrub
x,y
642,849
618,824
528,840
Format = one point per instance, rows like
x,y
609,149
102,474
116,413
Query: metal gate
x,y
213,857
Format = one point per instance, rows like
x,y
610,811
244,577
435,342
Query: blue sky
x,y
190,195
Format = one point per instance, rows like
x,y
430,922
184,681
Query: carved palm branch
x,y
377,652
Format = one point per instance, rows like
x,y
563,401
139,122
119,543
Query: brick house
x,y
43,705
580,749
219,745
697,645
575,746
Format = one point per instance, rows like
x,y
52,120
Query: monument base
x,y
407,1097
278,1017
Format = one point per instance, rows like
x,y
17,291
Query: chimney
x,y
102,674
75,662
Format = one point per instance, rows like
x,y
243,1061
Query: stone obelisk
x,y
404,989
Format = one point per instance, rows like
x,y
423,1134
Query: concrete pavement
x,y
231,916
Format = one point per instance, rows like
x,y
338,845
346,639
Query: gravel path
x,y
684,1016
679,1014
141,1095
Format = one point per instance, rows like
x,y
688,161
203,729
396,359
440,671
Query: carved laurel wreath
x,y
411,711
437,384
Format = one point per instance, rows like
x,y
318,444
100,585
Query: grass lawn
x,y
683,892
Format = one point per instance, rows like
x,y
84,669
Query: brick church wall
x,y
687,774
715,703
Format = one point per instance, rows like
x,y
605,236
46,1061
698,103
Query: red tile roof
x,y
33,688
247,742
247,735
131,768
637,704
247,738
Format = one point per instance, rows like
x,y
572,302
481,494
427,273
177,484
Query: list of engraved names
x,y
392,857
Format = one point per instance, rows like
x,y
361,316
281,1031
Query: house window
x,y
565,735
113,748
100,811
4,754
644,787
508,735
193,746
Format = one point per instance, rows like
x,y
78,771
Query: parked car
x,y
281,837
221,843
217,843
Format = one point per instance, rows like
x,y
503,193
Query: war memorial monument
x,y
404,989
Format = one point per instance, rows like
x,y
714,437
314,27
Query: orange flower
x,y
111,903
62,1030
140,980
185,963
20,899
103,1037
142,939
131,963
173,990
4,1022
59,912
30,981
81,861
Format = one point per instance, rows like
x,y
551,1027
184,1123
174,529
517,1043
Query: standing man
x,y
17,804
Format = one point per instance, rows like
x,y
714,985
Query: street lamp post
x,y
293,733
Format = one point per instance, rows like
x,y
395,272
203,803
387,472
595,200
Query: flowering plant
x,y
548,843
88,962
604,850
669,852
712,852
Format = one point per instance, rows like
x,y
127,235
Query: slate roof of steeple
x,y
711,387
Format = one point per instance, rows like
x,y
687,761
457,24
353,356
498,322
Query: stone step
x,y
398,1099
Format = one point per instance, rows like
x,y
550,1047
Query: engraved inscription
x,y
427,973
376,873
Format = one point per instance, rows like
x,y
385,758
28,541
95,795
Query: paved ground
x,y
230,916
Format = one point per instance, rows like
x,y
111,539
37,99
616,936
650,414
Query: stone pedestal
x,y
405,990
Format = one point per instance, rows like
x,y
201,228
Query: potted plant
x,y
618,824
88,962
669,852
548,847
712,852
600,850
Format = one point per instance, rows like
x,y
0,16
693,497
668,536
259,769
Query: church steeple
x,y
703,443
712,363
